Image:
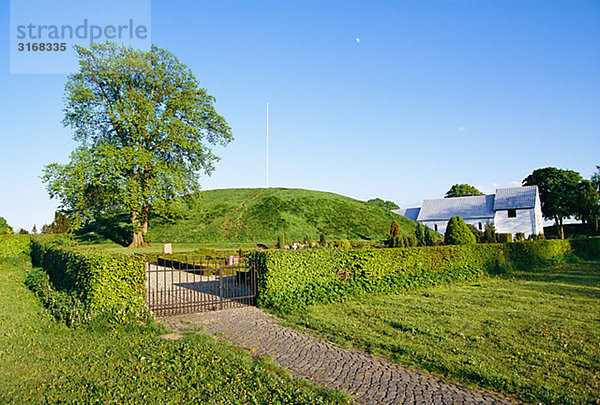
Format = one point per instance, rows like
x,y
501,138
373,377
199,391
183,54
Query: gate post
x,y
220,282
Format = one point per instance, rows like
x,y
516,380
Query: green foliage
x,y
102,281
424,236
558,192
504,237
292,279
144,123
587,207
64,306
61,224
5,229
479,235
388,205
457,232
519,237
395,238
462,190
308,241
14,246
258,215
322,240
489,234
281,241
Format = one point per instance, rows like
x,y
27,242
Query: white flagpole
x,y
267,144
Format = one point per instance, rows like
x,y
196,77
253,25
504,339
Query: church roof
x,y
410,213
515,197
481,206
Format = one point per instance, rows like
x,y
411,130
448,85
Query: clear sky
x,y
390,99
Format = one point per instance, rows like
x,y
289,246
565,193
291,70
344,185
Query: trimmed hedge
x,y
290,280
14,246
102,281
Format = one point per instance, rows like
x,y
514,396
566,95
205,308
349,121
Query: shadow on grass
x,y
581,278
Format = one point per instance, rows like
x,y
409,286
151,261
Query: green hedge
x,y
103,281
14,246
290,280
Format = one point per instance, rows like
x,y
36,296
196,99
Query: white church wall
x,y
523,222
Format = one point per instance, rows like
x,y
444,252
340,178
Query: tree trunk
x,y
138,231
561,230
145,211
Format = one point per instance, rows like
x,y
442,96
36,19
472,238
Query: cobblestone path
x,y
369,380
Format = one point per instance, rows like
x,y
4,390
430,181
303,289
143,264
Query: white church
x,y
510,210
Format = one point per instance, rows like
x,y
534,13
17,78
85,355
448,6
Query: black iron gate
x,y
184,284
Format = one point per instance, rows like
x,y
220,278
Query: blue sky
x,y
434,93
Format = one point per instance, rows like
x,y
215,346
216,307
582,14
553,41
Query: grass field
x,y
42,361
535,335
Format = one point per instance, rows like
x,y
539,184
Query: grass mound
x,y
260,215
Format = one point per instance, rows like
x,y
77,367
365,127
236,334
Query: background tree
x,y
457,232
596,178
34,229
462,190
388,205
60,224
558,193
144,123
5,229
586,207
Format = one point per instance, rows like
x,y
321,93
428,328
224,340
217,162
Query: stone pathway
x,y
370,380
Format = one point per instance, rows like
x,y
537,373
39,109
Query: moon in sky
x,y
357,39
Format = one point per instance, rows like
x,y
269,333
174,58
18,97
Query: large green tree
x,y
462,190
144,124
558,193
586,206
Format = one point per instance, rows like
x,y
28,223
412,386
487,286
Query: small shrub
x,y
395,229
519,237
489,234
410,241
504,237
457,232
539,236
479,235
281,241
322,240
344,244
429,236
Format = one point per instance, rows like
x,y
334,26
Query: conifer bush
x,y
458,233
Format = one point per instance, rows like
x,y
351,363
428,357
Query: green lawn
x,y
42,361
535,335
